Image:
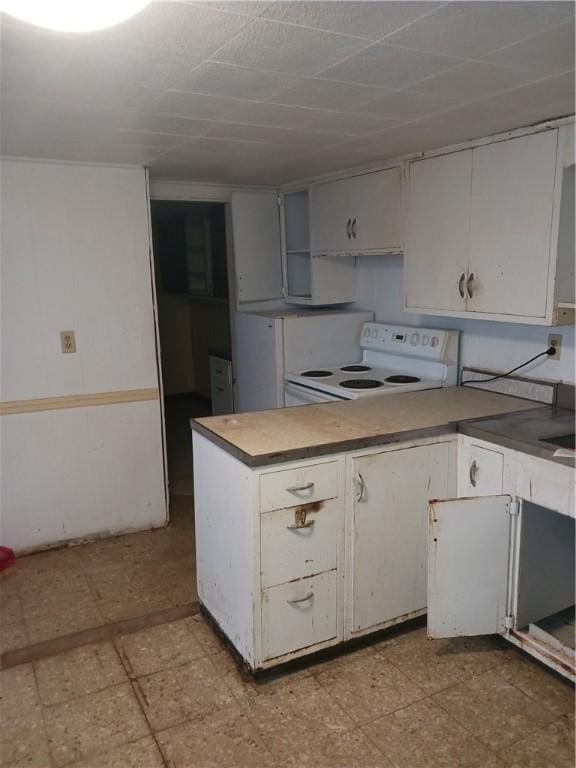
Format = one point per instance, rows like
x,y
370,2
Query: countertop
x,y
525,430
286,434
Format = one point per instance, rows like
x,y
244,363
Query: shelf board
x,y
295,252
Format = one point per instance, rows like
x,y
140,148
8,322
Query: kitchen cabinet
x,y
490,230
301,556
389,531
310,278
272,259
358,214
503,563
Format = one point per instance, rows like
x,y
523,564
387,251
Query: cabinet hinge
x,y
509,622
514,508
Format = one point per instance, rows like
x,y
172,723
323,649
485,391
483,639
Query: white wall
x,y
76,256
485,344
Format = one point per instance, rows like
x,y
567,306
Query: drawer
x,y
220,372
299,614
301,485
480,471
299,541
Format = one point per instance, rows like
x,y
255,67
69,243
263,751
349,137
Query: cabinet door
x,y
360,214
436,244
375,207
480,471
330,217
468,563
390,525
512,199
256,242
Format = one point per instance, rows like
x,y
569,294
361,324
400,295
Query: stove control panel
x,y
430,343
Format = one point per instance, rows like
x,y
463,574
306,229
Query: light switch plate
x,y
67,341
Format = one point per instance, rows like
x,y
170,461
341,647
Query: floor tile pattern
x,y
171,695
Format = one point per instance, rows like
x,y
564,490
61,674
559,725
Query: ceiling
x,y
265,93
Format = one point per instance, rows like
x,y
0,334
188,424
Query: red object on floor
x,y
7,558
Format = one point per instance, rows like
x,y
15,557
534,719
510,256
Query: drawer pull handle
x,y
299,527
461,284
299,488
473,473
304,599
470,285
361,488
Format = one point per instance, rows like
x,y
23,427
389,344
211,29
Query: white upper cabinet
x,y
490,231
437,232
510,225
359,214
256,245
272,258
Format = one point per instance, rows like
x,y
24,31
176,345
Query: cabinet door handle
x,y
353,229
473,474
461,284
304,599
299,488
348,225
220,389
470,284
361,488
309,524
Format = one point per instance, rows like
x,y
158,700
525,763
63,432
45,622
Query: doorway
x,y
190,262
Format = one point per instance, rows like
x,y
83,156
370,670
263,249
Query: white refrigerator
x,y
268,344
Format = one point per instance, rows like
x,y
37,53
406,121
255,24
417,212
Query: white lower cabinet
x,y
504,563
301,556
389,531
297,557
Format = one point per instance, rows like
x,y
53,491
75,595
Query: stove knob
x,y
425,340
414,339
434,341
366,332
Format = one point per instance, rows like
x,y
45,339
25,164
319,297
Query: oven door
x,y
297,395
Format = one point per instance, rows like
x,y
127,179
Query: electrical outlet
x,y
555,340
67,341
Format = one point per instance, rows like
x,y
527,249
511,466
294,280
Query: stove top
x,y
355,380
393,359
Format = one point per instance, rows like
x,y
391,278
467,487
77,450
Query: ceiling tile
x,y
247,7
469,82
237,82
327,94
147,139
286,48
235,110
179,126
371,20
131,65
471,29
351,124
545,54
536,98
175,27
405,105
389,67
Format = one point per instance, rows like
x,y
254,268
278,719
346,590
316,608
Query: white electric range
x,y
394,359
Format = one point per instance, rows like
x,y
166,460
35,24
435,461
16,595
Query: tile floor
x,y
171,695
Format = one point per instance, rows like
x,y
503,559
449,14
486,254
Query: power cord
x,y
550,351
